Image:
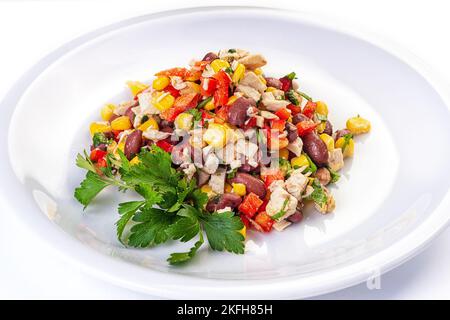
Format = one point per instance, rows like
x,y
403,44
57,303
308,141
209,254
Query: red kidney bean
x,y
210,56
273,82
328,128
323,175
238,111
315,148
113,117
252,183
130,114
226,200
341,133
299,118
292,132
133,144
296,217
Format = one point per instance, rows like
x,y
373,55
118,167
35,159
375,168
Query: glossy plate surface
x,y
392,199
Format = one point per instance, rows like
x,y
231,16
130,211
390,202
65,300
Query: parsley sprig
x,y
172,207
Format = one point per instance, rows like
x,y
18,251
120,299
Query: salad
x,y
214,150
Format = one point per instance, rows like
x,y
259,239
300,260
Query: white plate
x,y
393,197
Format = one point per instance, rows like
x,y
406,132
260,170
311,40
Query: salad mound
x,y
214,150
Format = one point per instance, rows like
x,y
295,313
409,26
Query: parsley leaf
x,y
181,257
85,162
199,198
292,98
222,230
197,115
186,227
232,173
291,76
89,188
100,138
151,227
312,166
282,212
318,195
126,211
334,176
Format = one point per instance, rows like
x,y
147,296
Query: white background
x,y
30,29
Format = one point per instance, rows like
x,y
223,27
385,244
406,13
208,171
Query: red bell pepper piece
x,y
164,145
181,104
270,175
305,127
97,154
245,220
309,109
116,134
223,84
250,205
286,84
264,221
278,125
170,89
283,113
294,109
178,72
102,162
251,123
221,115
208,86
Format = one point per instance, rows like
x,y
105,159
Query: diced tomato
x,y
286,84
309,109
278,125
245,221
166,146
102,162
263,206
223,84
271,175
283,113
206,115
251,123
170,89
221,115
178,72
250,205
208,86
97,154
294,109
264,221
305,127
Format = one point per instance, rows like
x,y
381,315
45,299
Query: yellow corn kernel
x,y
121,123
135,160
160,83
121,145
239,189
284,154
321,127
184,121
329,141
210,105
358,125
258,71
151,123
348,149
231,100
219,64
163,101
136,87
299,161
321,108
238,73
215,135
107,111
310,180
99,127
243,231
208,190
271,89
263,81
228,188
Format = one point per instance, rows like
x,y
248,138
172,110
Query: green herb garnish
x,y
291,76
318,195
290,95
304,95
334,176
282,212
203,103
100,138
231,50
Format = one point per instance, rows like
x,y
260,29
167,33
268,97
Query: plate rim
x,y
172,285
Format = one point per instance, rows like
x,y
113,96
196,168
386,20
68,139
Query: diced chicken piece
x,y
277,202
295,85
308,191
189,171
249,92
177,82
252,111
235,54
145,103
268,115
296,183
235,164
259,121
248,149
281,225
226,209
296,146
155,135
226,154
253,61
217,181
272,104
335,159
211,164
329,206
208,72
278,94
252,80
